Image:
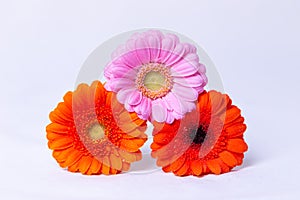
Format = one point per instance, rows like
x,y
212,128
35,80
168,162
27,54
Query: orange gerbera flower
x,y
207,140
92,133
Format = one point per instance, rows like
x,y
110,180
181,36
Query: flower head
x,y
156,76
90,132
207,140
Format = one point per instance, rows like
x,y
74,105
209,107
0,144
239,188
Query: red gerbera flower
x,y
207,140
92,133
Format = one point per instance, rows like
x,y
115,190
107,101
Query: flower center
x,y
97,132
154,80
198,135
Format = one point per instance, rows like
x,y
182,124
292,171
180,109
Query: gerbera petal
x,y
176,55
105,166
159,112
185,93
236,130
116,162
119,51
60,143
237,145
178,163
196,167
191,81
214,166
122,71
118,84
167,48
182,170
127,156
183,70
135,98
142,51
232,114
154,46
145,108
85,163
94,167
123,94
228,158
170,117
173,103
132,59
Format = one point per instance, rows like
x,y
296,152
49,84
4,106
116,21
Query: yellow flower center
x,y
154,80
97,132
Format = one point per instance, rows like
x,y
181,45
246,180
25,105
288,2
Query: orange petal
x,y
127,156
178,163
57,116
53,136
113,171
68,99
62,155
162,138
155,146
105,166
236,130
85,163
116,162
237,145
60,143
228,158
73,157
196,167
64,111
239,157
224,167
57,128
166,168
94,168
183,170
74,167
214,166
125,166
232,114
129,145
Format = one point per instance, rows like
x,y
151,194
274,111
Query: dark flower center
x,y
198,135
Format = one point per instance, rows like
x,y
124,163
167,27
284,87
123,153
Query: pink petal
x,y
119,71
144,109
135,98
176,55
202,69
190,81
131,59
167,48
170,118
117,84
186,93
173,100
119,51
159,112
154,47
128,107
123,94
189,48
187,105
180,70
142,51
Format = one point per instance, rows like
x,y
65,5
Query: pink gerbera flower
x,y
156,76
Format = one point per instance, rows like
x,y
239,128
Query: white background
x,y
254,45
